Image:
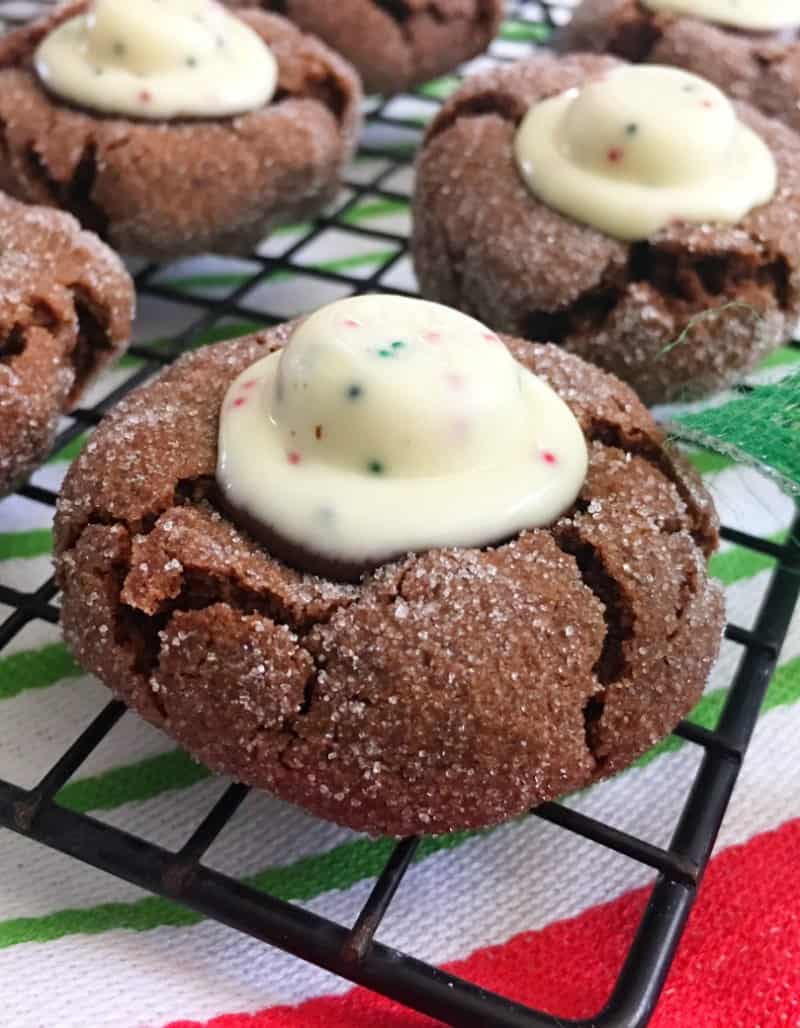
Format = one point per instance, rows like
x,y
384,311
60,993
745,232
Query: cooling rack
x,y
382,176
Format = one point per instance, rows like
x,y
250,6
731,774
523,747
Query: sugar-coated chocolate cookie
x,y
448,689
762,68
162,188
485,243
66,304
395,44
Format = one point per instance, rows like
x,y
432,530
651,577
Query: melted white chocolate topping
x,y
389,425
756,15
643,146
158,59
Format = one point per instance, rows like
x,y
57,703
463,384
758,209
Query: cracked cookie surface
x,y
169,188
482,242
66,304
450,689
395,44
762,68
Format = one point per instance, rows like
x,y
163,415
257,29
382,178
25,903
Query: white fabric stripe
x,y
264,833
18,514
39,724
743,599
768,376
521,877
37,882
32,637
749,501
50,476
742,604
25,574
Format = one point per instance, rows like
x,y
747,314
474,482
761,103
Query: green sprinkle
x,y
375,467
631,129
192,62
354,392
392,349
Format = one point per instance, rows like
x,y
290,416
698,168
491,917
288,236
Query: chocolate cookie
x,y
760,67
395,44
484,243
66,304
450,689
159,189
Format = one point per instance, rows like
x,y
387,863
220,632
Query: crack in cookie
x,y
449,689
483,243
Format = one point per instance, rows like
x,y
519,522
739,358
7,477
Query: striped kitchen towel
x,y
525,909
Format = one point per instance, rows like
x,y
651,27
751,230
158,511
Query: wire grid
x,y
384,176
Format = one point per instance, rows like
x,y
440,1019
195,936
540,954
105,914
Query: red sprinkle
x,y
294,457
490,337
461,427
351,323
615,154
145,96
240,401
433,336
318,432
708,103
549,457
250,384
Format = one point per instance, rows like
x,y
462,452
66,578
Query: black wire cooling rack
x,y
353,952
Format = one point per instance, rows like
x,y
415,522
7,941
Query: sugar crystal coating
x,y
66,305
484,244
395,47
446,690
231,180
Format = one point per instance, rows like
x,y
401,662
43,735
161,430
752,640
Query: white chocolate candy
x,y
640,147
158,59
389,425
756,15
